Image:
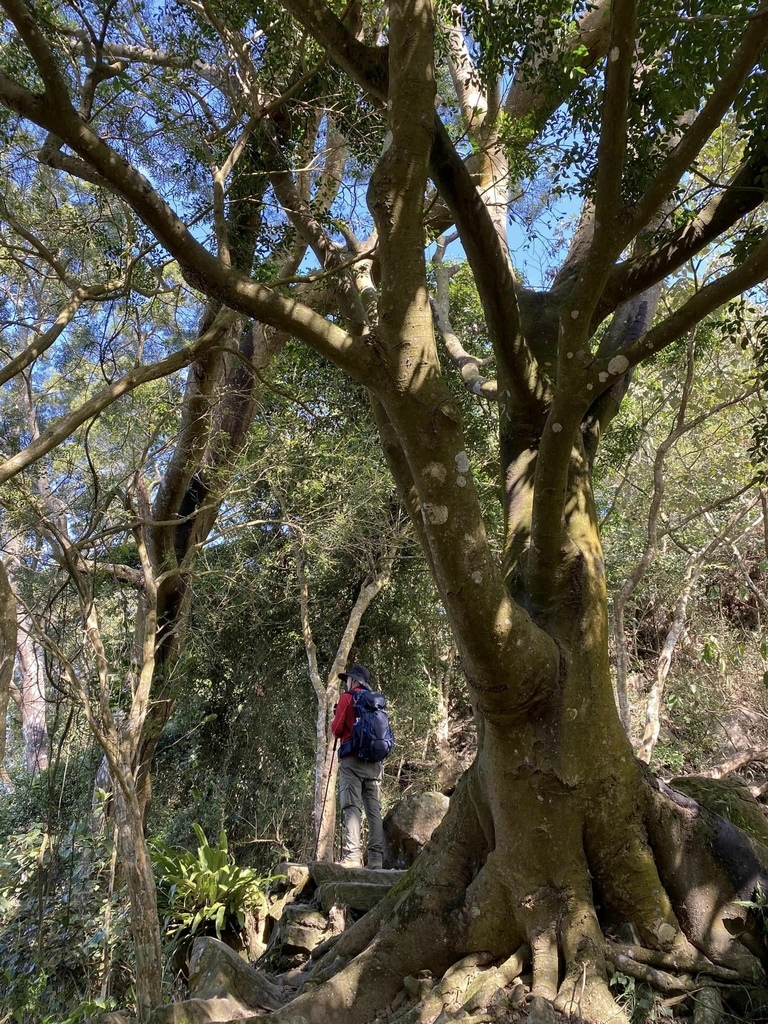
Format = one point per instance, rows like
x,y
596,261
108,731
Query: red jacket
x,y
344,718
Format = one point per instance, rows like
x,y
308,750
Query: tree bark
x,y
32,702
8,634
145,926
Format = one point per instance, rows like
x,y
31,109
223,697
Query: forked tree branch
x,y
490,264
746,275
694,568
621,596
518,370
44,341
330,258
745,191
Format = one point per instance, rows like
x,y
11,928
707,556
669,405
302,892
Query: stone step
x,y
300,928
355,895
324,871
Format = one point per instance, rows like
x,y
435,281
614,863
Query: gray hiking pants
x,y
360,786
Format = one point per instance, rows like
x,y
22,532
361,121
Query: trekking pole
x,y
325,798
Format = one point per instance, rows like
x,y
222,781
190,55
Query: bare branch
x,y
621,596
202,269
67,424
329,256
43,342
466,80
468,365
694,568
738,197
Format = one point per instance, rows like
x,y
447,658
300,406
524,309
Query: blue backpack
x,y
372,738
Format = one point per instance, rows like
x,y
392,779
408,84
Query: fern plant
x,y
204,892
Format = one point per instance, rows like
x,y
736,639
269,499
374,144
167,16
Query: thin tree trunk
x,y
694,568
140,879
653,706
679,428
326,765
106,956
8,633
625,592
32,702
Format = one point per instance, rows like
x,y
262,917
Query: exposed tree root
x,y
482,888
706,865
678,962
708,1007
447,993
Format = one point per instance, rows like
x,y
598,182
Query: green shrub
x,y
55,953
204,892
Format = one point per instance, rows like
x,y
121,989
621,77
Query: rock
x,y
300,929
216,971
295,880
737,730
410,824
337,922
254,932
518,994
284,891
355,895
411,986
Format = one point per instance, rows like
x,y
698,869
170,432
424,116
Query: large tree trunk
x,y
556,832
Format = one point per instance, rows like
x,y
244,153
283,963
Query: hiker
x,y
361,726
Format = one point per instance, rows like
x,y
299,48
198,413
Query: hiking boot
x,y
350,862
374,864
